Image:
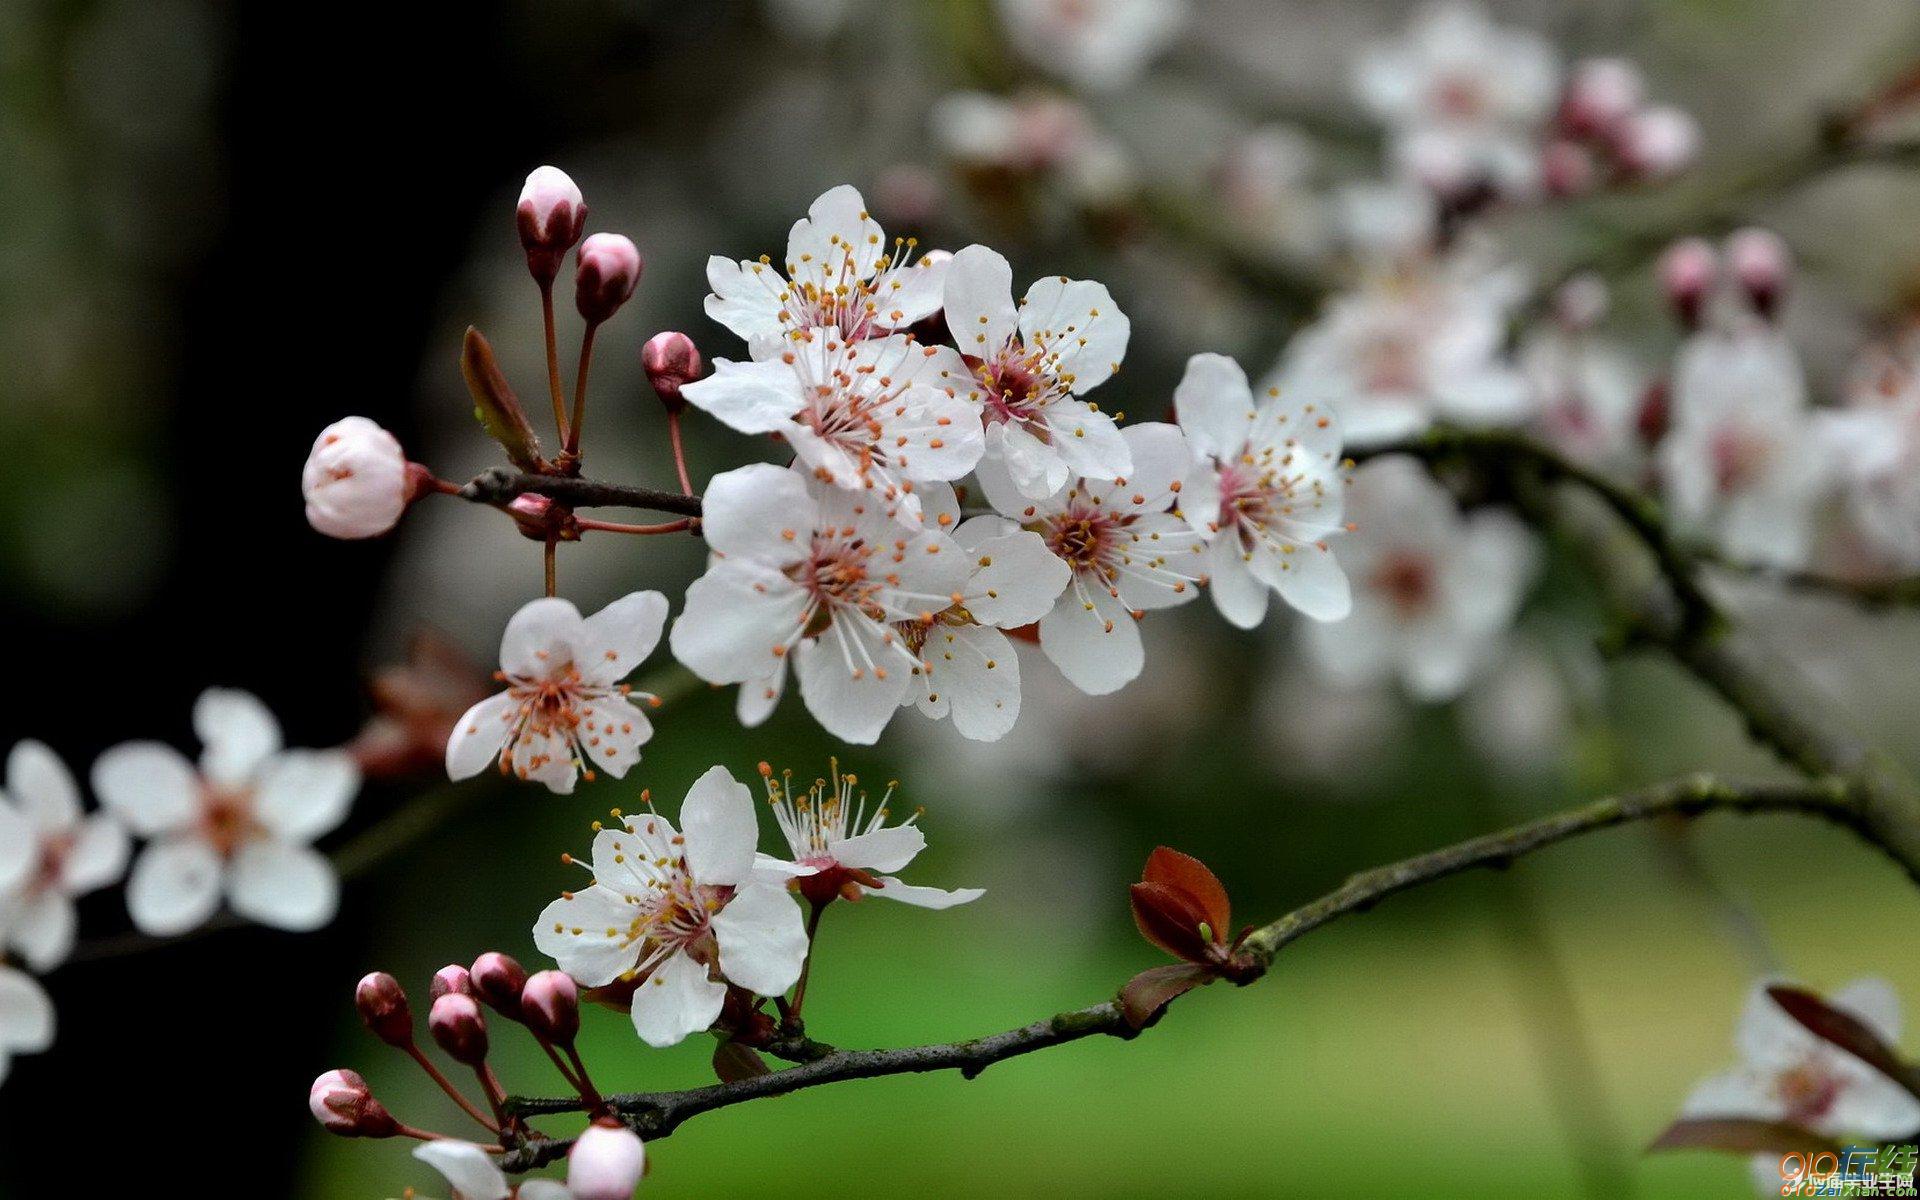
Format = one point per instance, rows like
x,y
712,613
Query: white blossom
x,y
1585,392
1434,592
1034,134
26,1017
355,481
840,845
1876,441
803,570
565,709
1101,45
240,824
1128,545
69,853
1035,363
679,914
473,1174
1272,471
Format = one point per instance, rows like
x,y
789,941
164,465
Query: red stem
x,y
619,527
679,451
580,388
558,389
446,1085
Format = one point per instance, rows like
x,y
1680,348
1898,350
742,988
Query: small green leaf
x,y
494,403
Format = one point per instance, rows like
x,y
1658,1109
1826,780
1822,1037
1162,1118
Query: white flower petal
x,y
588,933
149,785
886,849
720,827
738,622
1086,441
763,939
853,676
175,885
1310,579
303,794
42,930
26,1013
480,734
677,1000
1241,598
467,1168
1077,324
973,675
283,884
760,512
618,638
19,848
923,897
541,639
745,296
1093,639
752,397
1214,406
613,730
978,300
1015,579
1738,1093
43,787
97,857
237,733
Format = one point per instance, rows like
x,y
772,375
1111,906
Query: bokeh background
x,y
223,225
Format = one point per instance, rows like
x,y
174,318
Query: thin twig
x,y
500,485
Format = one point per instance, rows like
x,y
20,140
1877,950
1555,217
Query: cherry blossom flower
x,y
1033,134
1128,545
1101,45
876,415
840,274
1265,179
564,706
679,915
1788,1074
1035,363
1465,100
69,853
1876,440
1275,470
844,849
1741,462
240,824
356,481
1585,391
473,1174
804,570
26,1017
1408,347
1434,591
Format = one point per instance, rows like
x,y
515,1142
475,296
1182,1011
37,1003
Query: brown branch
x,y
499,486
656,1114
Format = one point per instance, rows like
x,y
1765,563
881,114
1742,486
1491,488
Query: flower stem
x,y
554,386
580,389
553,579
679,452
817,911
446,1085
620,527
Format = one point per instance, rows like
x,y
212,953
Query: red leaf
x,y
1846,1031
1740,1135
1170,920
1147,994
733,1062
1187,874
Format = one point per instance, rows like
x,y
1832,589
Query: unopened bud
x,y
497,980
672,361
458,1028
341,1101
1658,142
552,215
1580,303
606,1163
383,1007
1760,263
1567,169
1601,93
449,979
1687,271
609,270
357,480
550,1005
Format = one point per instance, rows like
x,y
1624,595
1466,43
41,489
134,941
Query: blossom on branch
x,y
1100,45
844,850
472,1174
357,481
240,824
67,854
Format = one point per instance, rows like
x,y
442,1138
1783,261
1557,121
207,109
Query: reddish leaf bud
x,y
383,1006
606,1162
1181,907
552,215
609,270
550,1006
458,1027
1760,263
497,980
341,1101
1687,272
672,361
449,979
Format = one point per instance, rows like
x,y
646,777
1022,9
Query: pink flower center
x,y
1460,98
1740,457
836,574
1408,580
226,818
1017,390
1087,538
1808,1092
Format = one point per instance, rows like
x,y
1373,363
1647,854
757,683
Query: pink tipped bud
x,y
498,980
383,1006
357,480
1601,93
609,270
552,215
1581,302
458,1027
1658,142
550,1005
341,1101
1687,271
606,1163
1760,263
1567,169
449,979
672,361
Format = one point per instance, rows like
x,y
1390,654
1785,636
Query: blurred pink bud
x,y
357,480
1658,142
498,980
1581,302
1601,93
550,1005
672,361
552,215
606,1163
449,979
609,270
456,1024
1567,169
1760,263
1687,272
341,1101
383,1006
910,194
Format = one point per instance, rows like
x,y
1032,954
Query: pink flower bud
x,y
1581,302
609,271
552,215
1567,169
1658,142
1601,93
606,1162
1760,263
341,1101
550,1005
458,1027
449,979
356,481
497,980
1687,271
383,1006
672,361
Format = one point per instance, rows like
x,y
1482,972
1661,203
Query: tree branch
x,y
498,485
656,1114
